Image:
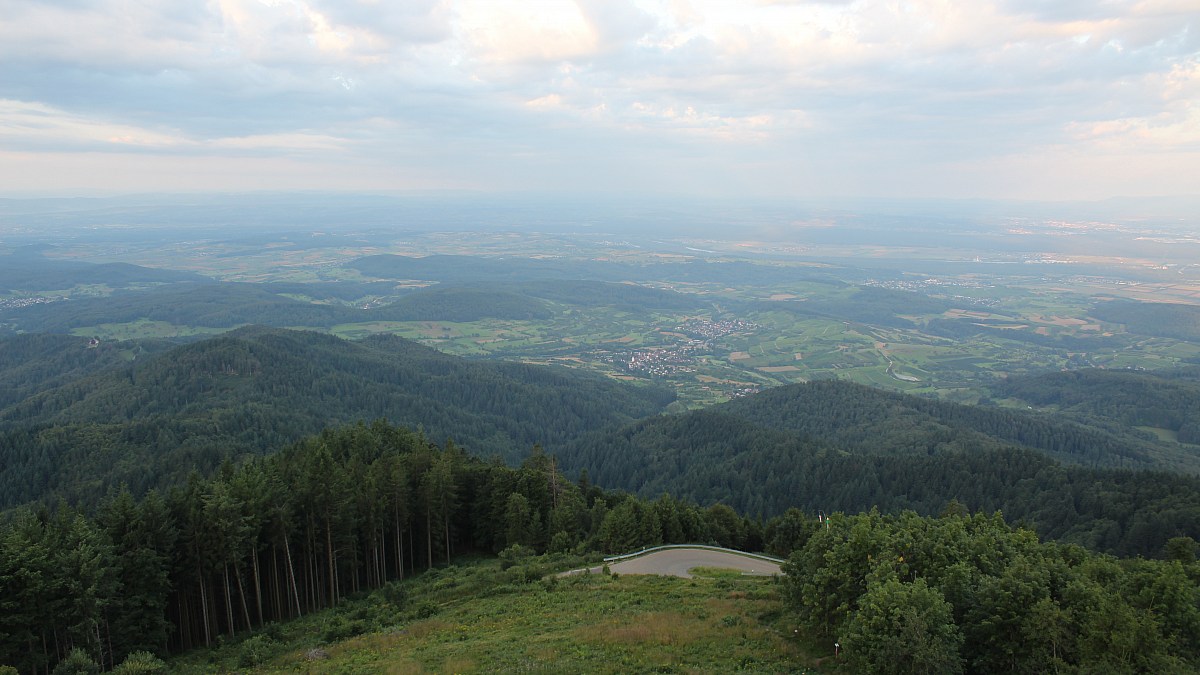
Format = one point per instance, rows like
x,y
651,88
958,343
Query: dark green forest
x,y
961,593
1163,399
150,421
362,507
278,537
840,446
78,421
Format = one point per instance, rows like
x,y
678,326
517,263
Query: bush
x,y
394,593
273,631
340,628
424,610
255,651
514,555
141,663
560,543
78,662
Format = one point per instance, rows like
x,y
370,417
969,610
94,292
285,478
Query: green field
x,y
1000,325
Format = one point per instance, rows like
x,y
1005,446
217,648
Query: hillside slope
x,y
1168,400
256,389
837,446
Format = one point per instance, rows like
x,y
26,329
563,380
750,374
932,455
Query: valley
x,y
891,318
354,451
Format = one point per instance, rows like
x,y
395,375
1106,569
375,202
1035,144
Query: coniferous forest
x,y
360,507
165,498
278,537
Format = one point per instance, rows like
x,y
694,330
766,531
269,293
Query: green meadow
x,y
479,618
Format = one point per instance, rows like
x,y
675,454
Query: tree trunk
x,y
184,624
292,576
204,608
228,597
399,550
333,581
278,611
242,595
257,586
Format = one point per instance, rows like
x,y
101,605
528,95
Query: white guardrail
x,y
627,556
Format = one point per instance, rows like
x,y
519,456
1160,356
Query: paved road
x,y
677,562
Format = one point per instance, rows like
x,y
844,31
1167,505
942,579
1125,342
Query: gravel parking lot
x,y
678,562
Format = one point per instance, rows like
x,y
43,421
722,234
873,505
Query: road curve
x,y
678,562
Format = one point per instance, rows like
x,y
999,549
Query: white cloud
x,y
805,91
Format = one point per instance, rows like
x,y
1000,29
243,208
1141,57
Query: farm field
x,y
743,334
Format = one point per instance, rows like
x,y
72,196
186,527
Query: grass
x,y
481,619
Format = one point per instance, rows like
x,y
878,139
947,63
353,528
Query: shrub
x,y
255,651
77,662
394,594
424,610
273,631
141,663
514,555
340,629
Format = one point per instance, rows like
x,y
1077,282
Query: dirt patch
x,y
739,356
778,369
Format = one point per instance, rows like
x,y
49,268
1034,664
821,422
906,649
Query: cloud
x,y
878,95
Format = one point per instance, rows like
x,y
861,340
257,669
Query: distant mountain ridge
x,y
231,304
256,389
30,271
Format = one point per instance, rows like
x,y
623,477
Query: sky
x,y
1003,99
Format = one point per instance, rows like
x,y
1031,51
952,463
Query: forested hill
x,y
863,419
255,389
1167,400
32,272
836,446
34,362
229,304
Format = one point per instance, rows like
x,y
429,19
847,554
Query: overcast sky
x,y
1027,99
